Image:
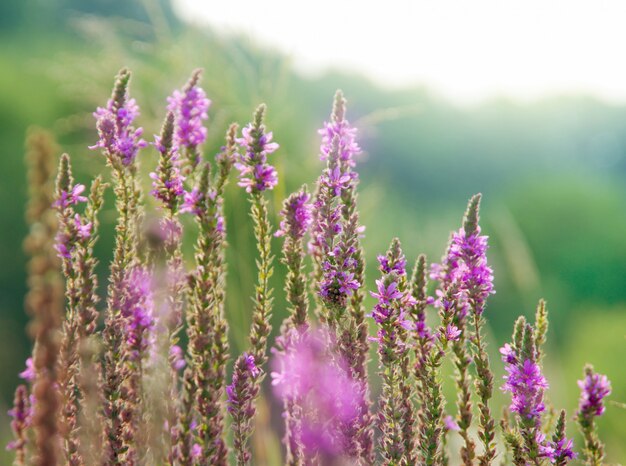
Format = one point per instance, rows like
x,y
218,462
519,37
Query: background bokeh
x,y
552,171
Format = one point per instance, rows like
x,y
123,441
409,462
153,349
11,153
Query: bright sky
x,y
466,50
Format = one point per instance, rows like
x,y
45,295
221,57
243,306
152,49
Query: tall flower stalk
x,y
120,143
190,106
312,374
296,220
168,189
88,338
205,377
461,358
429,357
394,300
44,302
594,388
338,262
20,415
256,176
468,263
74,244
525,382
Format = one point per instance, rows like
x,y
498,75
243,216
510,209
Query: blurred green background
x,y
553,173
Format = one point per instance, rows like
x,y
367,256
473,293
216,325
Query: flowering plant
x,y
89,396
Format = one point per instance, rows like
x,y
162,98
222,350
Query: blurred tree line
x,y
19,14
552,172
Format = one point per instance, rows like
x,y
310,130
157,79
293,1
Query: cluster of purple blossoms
x,y
336,180
326,225
557,452
338,282
28,374
22,411
332,241
83,229
177,358
190,107
193,203
398,266
138,310
593,389
72,228
466,263
452,333
76,228
346,136
168,184
21,418
526,384
255,174
238,392
392,303
296,216
253,369
69,198
118,138
311,374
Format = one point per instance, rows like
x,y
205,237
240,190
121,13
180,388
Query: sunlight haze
x,y
466,51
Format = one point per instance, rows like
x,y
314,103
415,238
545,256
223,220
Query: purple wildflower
x,y
337,286
62,249
71,229
391,307
191,202
386,293
337,181
508,354
177,360
398,266
255,174
190,107
339,128
452,333
258,177
240,378
311,373
419,326
251,365
83,230
167,181
467,261
138,310
118,138
196,451
594,388
526,384
557,452
72,197
28,374
296,215
165,189
21,418
451,424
